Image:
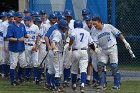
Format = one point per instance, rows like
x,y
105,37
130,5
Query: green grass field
x,y
5,87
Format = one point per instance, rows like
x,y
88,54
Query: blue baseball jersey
x,y
16,32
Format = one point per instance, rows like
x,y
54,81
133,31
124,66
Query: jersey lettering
x,y
82,35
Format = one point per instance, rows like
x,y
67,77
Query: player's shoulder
x,y
108,25
34,26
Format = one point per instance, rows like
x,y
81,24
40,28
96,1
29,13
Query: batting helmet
x,y
85,12
38,19
27,18
52,16
78,24
62,24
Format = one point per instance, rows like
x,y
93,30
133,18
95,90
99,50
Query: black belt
x,y
44,42
79,49
29,44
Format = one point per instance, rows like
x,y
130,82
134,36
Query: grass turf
x,y
126,87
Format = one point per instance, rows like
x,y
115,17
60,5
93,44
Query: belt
x,y
110,46
44,42
29,44
79,49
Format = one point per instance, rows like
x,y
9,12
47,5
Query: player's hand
x,y
21,39
98,51
66,47
51,54
5,49
35,48
127,45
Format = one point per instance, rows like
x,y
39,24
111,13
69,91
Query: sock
x,y
88,77
57,81
48,77
36,74
27,72
12,75
95,75
83,77
4,69
74,78
7,69
66,74
20,72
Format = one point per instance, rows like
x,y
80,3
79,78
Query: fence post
x,y
113,12
31,4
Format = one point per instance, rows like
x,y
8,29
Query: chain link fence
x,y
128,21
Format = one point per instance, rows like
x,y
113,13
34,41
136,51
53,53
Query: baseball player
x,y
106,39
31,49
67,54
43,15
55,61
79,41
2,63
5,25
34,15
16,34
85,12
48,47
93,57
45,27
27,12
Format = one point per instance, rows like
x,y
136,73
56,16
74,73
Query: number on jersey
x,y
81,35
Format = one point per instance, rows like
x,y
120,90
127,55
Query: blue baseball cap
x,y
35,14
87,18
42,12
38,19
10,14
52,16
27,18
18,14
3,14
11,11
27,11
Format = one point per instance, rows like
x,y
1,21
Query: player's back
x,y
57,37
81,38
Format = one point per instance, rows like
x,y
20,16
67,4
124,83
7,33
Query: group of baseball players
x,y
60,48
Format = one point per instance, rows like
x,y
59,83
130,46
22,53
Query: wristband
x,y
124,41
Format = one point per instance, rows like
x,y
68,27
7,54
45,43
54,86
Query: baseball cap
x,y
18,14
27,18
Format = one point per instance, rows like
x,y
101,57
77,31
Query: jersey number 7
x,y
81,35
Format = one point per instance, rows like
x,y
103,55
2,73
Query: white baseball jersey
x,y
106,37
82,38
1,32
57,37
5,25
32,32
84,24
71,24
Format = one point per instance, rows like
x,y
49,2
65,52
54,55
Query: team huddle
x,y
59,48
